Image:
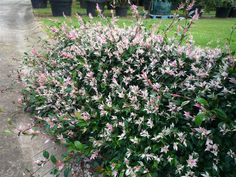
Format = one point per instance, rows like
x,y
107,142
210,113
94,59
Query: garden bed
x,y
207,32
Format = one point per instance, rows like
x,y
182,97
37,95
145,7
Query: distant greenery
x,y
208,31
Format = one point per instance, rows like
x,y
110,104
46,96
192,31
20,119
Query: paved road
x,y
16,23
18,33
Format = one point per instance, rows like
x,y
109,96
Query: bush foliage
x,y
132,102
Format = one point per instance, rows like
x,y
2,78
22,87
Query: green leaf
x,y
53,159
45,154
202,101
78,115
82,123
200,118
79,145
220,114
150,175
67,172
54,171
121,174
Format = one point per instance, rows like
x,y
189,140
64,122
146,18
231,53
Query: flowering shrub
x,y
134,103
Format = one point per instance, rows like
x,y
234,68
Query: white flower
x,y
144,133
206,174
182,139
169,159
189,174
128,172
211,147
165,149
233,80
175,146
134,140
128,153
223,129
231,154
215,167
150,123
114,173
179,169
121,94
225,75
139,121
158,137
122,135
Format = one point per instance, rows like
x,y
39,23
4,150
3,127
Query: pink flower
x,y
190,6
203,131
196,15
181,6
168,71
126,161
60,165
233,80
85,116
134,9
98,8
114,173
41,79
94,155
72,35
192,162
176,95
173,64
109,127
64,28
159,39
54,30
90,74
67,55
224,74
34,52
198,105
137,168
156,86
187,114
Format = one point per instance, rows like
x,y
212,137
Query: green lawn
x,y
208,31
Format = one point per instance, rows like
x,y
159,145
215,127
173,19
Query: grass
x,y
206,32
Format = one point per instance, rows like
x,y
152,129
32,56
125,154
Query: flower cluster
x,y
133,103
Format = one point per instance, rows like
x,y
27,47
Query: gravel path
x,y
16,26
